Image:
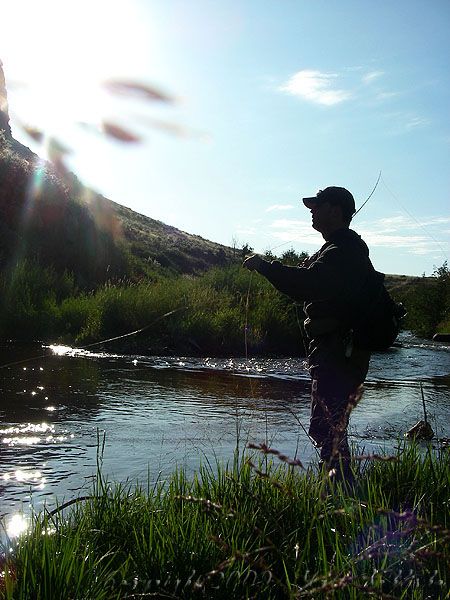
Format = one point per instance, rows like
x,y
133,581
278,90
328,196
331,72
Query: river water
x,y
156,413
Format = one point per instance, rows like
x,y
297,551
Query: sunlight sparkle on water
x,y
27,476
60,350
24,441
26,435
16,525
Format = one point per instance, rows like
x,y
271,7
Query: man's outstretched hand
x,y
253,263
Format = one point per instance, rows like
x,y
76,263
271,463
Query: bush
x,y
28,306
428,304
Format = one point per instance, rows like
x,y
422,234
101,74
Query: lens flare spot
x,y
17,525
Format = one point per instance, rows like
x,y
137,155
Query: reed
x,y
254,529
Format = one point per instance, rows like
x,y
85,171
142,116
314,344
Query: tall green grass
x,y
247,531
214,313
225,311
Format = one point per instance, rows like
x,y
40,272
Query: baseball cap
x,y
333,195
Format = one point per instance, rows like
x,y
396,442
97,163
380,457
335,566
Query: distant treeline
x,y
427,301
226,311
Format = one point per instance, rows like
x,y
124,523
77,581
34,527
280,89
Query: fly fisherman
x,y
331,285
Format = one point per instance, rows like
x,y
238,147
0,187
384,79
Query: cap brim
x,y
310,202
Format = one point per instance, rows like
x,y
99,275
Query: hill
x,y
397,284
160,244
50,216
47,215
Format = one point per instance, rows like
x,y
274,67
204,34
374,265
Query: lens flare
x,y
16,525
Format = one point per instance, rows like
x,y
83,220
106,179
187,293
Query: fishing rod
x,y
369,196
289,242
413,218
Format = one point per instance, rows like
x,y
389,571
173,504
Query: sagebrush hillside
x,y
49,216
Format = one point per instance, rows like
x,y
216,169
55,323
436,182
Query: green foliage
x,y
225,311
293,258
211,315
246,251
247,531
428,303
28,301
76,315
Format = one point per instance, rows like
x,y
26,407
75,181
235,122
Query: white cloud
x,y
404,222
369,77
315,86
401,232
280,207
397,232
246,230
387,95
436,221
290,230
414,122
405,121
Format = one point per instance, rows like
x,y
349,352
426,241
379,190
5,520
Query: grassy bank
x,y
226,311
266,531
215,314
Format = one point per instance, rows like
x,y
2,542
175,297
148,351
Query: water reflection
x,y
160,411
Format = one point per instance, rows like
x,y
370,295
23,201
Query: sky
x,y
258,104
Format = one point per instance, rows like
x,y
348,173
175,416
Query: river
x,y
158,412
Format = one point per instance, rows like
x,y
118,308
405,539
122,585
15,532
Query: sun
x,y
56,56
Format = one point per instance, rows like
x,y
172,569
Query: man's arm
x,y
319,281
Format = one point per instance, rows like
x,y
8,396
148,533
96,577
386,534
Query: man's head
x,y
331,209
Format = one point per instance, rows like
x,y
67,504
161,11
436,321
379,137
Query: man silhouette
x,y
331,285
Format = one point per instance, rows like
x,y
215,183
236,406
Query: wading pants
x,y
338,372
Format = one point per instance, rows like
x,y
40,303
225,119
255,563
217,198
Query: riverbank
x,y
260,528
224,312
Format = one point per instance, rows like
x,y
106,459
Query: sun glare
x,y
16,525
56,57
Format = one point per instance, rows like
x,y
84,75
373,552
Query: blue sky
x,y
271,101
